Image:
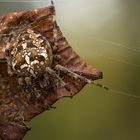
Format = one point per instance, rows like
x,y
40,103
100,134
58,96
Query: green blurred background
x,y
106,34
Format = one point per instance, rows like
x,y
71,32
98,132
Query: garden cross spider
x,y
32,59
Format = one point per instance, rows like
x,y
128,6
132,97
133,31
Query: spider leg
x,y
18,117
52,3
57,57
51,107
28,81
54,48
24,81
20,81
53,74
77,76
44,81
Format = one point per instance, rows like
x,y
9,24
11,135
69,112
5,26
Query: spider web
x,y
135,50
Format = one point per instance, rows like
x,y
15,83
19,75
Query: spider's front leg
x,y
53,74
57,57
77,76
28,84
54,48
28,81
44,81
20,81
24,81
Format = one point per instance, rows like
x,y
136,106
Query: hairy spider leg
x,y
53,74
52,3
77,76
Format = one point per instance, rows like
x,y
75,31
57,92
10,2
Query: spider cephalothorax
x,y
31,54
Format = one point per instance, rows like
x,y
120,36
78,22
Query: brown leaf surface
x,y
15,105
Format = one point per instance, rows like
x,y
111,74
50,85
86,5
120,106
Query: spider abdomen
x,y
31,54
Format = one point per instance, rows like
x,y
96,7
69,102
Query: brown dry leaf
x,y
15,105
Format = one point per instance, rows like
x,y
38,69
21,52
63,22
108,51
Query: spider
x,y
32,59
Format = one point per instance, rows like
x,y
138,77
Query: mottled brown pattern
x,y
32,51
16,106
